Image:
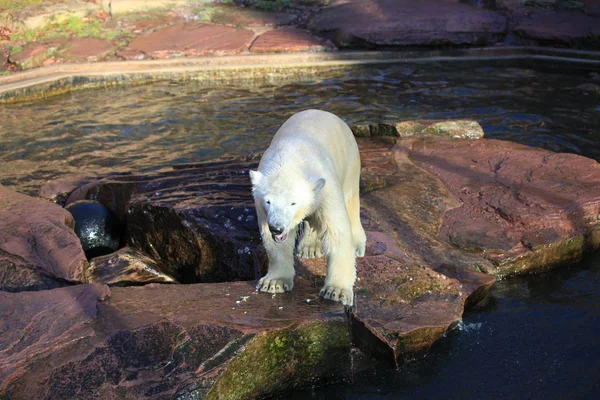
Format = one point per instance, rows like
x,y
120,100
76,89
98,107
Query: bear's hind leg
x,y
310,244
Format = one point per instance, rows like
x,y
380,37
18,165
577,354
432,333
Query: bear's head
x,y
287,197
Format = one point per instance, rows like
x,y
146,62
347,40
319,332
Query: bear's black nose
x,y
275,230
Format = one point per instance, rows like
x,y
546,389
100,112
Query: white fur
x,y
310,174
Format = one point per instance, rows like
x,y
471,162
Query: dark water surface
x,y
534,337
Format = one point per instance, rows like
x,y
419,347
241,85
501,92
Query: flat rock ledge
x,y
444,218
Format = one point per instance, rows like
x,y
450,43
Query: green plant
x,y
72,26
10,5
15,49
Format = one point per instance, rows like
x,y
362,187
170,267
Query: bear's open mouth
x,y
280,238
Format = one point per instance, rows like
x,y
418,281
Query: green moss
x,y
418,340
283,359
546,257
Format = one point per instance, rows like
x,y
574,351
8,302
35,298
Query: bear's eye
x,y
268,201
293,204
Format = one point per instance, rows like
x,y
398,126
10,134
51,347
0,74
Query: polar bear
x,y
308,178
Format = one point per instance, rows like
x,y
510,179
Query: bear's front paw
x,y
275,285
338,293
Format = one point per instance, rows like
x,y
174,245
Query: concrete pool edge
x,y
64,78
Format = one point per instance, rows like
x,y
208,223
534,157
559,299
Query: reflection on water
x,y
532,338
149,127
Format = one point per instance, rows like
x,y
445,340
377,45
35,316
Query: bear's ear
x,y
255,177
319,183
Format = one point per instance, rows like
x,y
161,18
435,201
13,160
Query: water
x,y
531,338
534,338
150,127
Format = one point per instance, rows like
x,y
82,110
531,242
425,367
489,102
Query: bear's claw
x,y
309,252
269,285
345,296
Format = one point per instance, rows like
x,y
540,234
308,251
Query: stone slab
x,y
192,39
88,49
289,39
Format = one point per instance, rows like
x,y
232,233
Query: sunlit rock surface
x,y
524,209
126,267
38,247
217,341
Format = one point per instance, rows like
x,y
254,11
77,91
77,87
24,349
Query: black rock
x,y
97,227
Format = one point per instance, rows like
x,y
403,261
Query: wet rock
x,y
408,23
38,247
192,39
96,226
289,39
589,88
40,328
401,308
126,267
458,129
169,341
58,190
524,209
197,221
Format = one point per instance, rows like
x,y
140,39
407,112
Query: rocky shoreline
x,y
445,217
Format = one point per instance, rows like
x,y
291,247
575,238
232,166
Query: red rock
x,y
88,49
289,39
192,39
525,208
168,341
125,267
38,247
32,56
58,190
39,328
200,221
408,23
